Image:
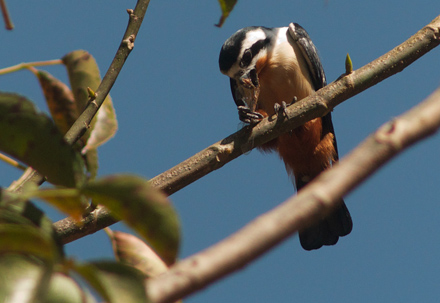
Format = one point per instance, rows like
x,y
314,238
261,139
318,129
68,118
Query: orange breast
x,y
303,150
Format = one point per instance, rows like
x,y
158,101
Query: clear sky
x,y
172,101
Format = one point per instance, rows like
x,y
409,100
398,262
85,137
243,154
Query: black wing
x,y
310,53
308,49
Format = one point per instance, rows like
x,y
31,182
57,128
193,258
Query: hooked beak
x,y
248,89
249,80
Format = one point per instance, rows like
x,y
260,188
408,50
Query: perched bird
x,y
270,68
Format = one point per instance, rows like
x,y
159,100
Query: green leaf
x,y
59,99
84,79
84,75
83,72
23,279
63,288
31,137
133,251
115,282
348,65
92,164
142,207
15,208
226,7
26,239
64,112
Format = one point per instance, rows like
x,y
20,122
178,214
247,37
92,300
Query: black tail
x,y
328,230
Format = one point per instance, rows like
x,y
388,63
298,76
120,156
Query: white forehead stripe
x,y
252,37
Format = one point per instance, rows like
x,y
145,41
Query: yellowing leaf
x,y
142,207
104,127
32,138
59,99
69,201
133,251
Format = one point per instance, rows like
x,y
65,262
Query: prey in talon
x,y
247,116
268,67
246,91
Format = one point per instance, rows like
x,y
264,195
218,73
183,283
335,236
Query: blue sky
x,y
172,101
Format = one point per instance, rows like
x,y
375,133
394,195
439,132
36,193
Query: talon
x,y
280,109
248,116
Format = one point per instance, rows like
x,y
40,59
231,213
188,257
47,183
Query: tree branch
x,y
81,124
317,199
316,105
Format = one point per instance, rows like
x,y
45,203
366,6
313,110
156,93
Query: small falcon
x,y
269,69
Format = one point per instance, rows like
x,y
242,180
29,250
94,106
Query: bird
x,y
270,69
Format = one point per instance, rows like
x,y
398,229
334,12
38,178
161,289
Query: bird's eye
x,y
246,59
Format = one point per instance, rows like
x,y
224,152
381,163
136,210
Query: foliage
x,y
31,256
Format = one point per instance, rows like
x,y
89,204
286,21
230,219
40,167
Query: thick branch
x,y
316,105
312,202
81,124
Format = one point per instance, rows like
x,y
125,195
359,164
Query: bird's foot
x,y
281,108
247,116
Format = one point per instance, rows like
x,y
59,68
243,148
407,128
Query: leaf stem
x,y
24,65
12,162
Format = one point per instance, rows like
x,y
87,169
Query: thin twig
x,y
24,65
314,201
8,22
316,105
11,162
80,125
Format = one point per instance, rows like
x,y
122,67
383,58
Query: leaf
x,y
15,208
67,200
63,288
142,207
32,138
92,164
83,72
348,65
64,112
226,7
59,99
83,75
133,251
18,213
104,127
115,282
26,239
22,279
